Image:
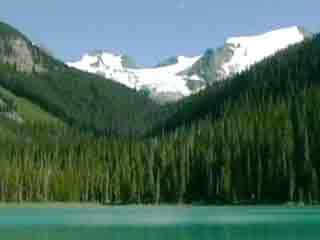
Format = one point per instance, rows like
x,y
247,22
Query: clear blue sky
x,y
151,30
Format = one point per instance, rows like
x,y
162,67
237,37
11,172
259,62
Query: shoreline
x,y
92,205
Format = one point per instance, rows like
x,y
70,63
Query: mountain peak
x,y
100,52
107,58
180,75
248,50
287,35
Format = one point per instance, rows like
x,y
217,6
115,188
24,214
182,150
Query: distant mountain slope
x,y
257,143
81,99
18,115
167,62
17,50
251,139
164,80
207,67
289,70
179,77
129,62
240,53
252,49
28,111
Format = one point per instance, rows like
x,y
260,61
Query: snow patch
x,y
159,80
170,79
249,50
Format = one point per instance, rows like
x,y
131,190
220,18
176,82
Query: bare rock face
x,y
18,52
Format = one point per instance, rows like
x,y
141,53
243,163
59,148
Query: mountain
x,y
129,62
178,77
279,75
79,99
17,50
240,53
249,50
207,67
162,83
251,140
167,62
23,110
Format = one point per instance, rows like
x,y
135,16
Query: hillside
x,y
274,76
80,99
18,114
251,140
28,111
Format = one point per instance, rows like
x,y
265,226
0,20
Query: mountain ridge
x,y
79,99
238,54
159,80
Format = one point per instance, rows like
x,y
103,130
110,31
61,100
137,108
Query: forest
x,y
249,139
82,100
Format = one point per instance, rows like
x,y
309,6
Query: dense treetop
x,y
80,99
249,139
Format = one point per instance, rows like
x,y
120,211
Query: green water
x,y
155,223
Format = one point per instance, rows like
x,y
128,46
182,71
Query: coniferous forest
x,y
250,139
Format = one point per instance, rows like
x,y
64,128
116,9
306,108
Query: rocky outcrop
x,y
18,52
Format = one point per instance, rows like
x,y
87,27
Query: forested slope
x,y
82,100
257,142
278,76
28,111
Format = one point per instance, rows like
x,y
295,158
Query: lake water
x,y
165,223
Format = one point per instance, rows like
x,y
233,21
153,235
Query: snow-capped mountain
x,y
240,53
181,76
161,82
252,49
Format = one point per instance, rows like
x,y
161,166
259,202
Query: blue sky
x,y
151,30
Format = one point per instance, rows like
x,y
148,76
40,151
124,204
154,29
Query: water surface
x,y
155,223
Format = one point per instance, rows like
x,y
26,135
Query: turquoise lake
x,y
155,223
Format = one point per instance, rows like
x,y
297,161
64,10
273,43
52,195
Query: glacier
x,y
171,82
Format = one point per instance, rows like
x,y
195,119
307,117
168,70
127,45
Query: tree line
x,y
251,139
254,154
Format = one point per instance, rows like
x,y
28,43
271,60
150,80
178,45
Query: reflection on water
x,y
138,223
